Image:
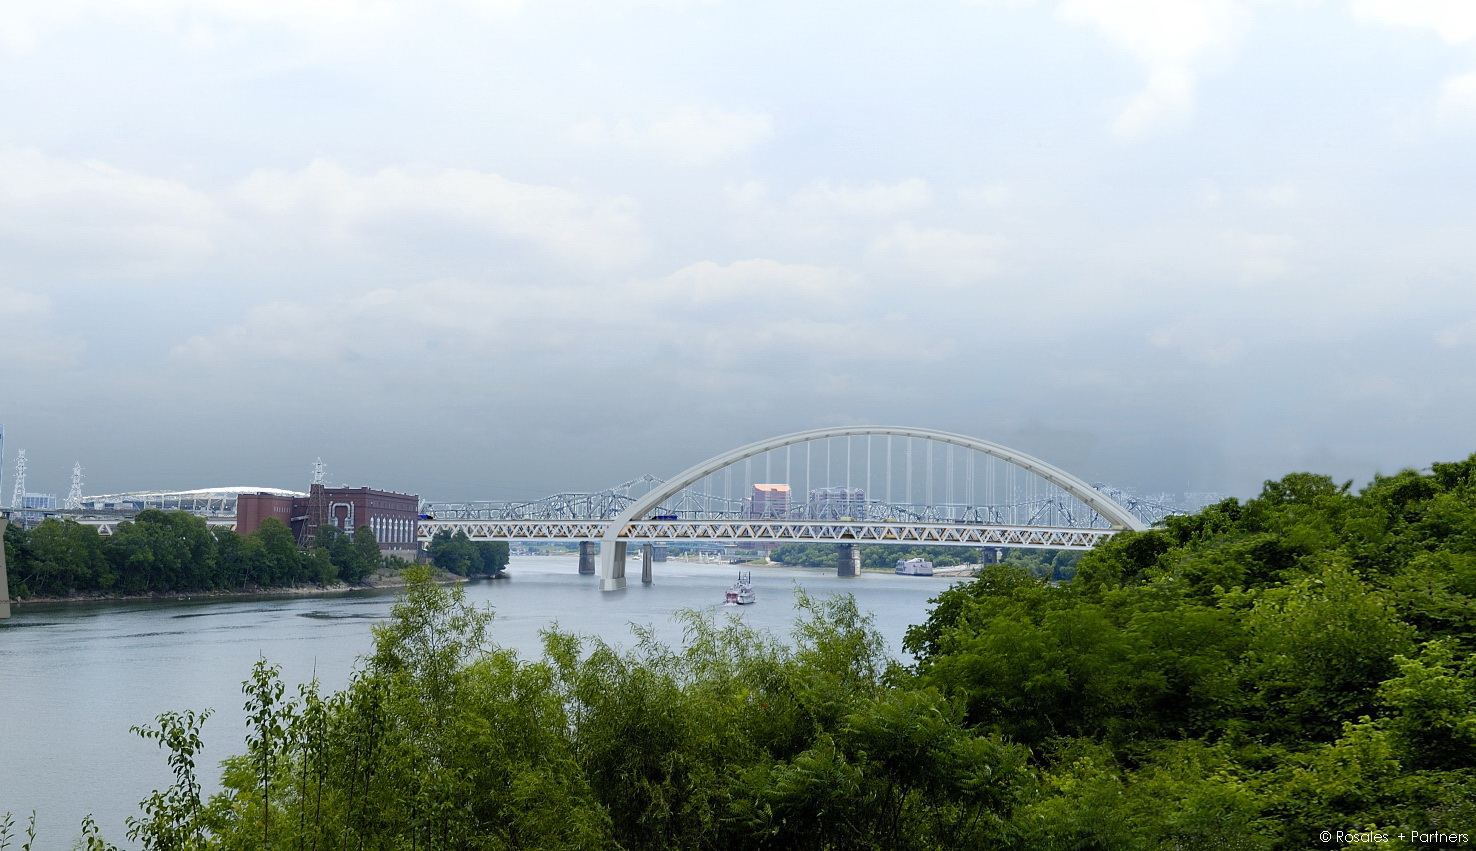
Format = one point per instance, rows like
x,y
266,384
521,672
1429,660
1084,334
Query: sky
x,y
497,249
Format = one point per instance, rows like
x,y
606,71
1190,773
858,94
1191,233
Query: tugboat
x,y
741,593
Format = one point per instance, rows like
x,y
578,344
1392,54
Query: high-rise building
x,y
39,502
769,502
838,503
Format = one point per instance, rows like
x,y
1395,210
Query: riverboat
x,y
915,567
741,593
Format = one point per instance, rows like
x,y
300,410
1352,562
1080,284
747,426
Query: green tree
x,y
366,556
65,557
162,551
454,553
281,563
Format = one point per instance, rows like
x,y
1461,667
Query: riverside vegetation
x,y
1247,678
172,552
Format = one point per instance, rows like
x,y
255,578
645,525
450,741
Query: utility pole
x,y
18,496
74,496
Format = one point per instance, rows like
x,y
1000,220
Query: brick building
x,y
391,516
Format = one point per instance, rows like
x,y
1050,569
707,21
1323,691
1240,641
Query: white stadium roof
x,y
198,493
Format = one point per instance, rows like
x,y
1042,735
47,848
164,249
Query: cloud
x,y
699,322
24,22
1454,21
1458,336
29,338
360,210
61,217
872,199
1458,97
690,137
941,255
1199,342
1262,256
92,218
1172,39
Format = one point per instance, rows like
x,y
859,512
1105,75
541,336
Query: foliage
x,y
462,556
158,552
1244,678
732,740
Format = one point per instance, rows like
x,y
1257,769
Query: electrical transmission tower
x,y
74,496
18,496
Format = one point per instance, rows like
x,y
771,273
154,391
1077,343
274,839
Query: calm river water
x,y
74,678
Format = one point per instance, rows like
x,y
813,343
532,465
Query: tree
x,y
366,556
454,553
65,557
492,557
281,562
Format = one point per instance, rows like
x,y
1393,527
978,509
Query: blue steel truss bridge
x,y
849,486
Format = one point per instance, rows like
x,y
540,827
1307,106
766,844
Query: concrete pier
x,y
4,580
587,552
848,561
612,566
646,556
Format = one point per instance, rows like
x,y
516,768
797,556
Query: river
x,y
75,677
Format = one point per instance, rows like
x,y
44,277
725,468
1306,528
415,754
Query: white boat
x,y
915,567
741,593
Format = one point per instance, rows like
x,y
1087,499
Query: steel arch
x,y
612,548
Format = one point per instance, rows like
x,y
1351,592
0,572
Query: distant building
x,y
217,503
769,502
392,517
32,509
836,503
253,508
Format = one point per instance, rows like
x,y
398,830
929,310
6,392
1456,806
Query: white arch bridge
x,y
858,484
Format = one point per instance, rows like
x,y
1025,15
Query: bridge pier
x,y
587,550
4,580
848,560
646,563
612,565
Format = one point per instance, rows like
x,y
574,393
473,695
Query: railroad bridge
x,y
847,485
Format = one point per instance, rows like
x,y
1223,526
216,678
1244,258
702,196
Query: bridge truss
x,y
862,484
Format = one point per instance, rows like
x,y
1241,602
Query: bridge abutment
x,y
646,557
848,560
587,551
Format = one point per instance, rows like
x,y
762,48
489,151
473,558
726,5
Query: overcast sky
x,y
489,248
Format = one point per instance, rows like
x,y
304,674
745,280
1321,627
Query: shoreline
x,y
378,580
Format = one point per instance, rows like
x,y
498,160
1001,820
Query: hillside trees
x,y
1298,660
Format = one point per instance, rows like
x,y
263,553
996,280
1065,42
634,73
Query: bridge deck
x,y
808,531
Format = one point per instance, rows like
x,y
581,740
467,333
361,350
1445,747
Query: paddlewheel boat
x,y
741,593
